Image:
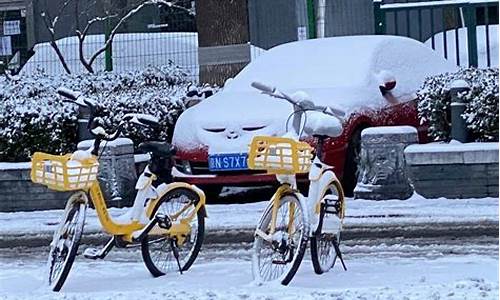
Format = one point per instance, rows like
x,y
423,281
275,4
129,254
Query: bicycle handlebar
x,y
95,129
303,105
65,92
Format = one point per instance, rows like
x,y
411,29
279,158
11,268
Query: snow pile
x,y
33,118
481,113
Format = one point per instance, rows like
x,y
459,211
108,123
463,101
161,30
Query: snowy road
x,y
420,268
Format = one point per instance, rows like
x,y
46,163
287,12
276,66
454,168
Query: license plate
x,y
227,162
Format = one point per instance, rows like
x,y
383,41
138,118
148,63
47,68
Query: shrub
x,y
33,118
481,114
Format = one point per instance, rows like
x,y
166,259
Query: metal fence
x,y
461,30
157,35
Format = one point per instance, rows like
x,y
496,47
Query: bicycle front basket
x,y
278,155
60,173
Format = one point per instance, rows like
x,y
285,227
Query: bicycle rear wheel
x,y
157,250
323,252
279,256
66,240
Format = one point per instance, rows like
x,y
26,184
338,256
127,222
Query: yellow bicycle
x,y
292,219
166,219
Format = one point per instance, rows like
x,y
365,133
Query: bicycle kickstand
x,y
339,254
92,253
175,251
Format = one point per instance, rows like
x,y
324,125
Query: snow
x,y
131,51
389,130
462,45
463,277
433,3
459,84
453,153
442,268
245,216
116,143
333,76
451,147
15,166
140,158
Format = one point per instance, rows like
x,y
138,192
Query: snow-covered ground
x,y
245,216
445,267
382,272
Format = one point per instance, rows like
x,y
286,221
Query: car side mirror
x,y
387,82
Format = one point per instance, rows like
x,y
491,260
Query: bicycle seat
x,y
157,148
319,124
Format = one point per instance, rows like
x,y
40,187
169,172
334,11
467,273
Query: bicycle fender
x,y
326,178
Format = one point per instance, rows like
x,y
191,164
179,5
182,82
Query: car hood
x,y
227,122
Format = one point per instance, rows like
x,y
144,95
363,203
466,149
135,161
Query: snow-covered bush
x,y
481,112
34,118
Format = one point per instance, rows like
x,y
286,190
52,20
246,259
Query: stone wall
x,y
18,193
454,170
117,177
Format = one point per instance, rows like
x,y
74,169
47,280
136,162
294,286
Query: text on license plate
x,y
227,162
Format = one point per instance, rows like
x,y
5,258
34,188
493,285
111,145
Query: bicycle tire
x,y
146,243
75,207
323,254
257,259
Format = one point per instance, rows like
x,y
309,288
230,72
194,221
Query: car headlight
x,y
185,167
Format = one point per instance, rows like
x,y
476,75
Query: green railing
x,y
444,22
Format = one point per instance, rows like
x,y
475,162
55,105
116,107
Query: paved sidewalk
x,y
416,216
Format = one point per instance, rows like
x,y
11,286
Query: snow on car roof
x,y
342,72
343,63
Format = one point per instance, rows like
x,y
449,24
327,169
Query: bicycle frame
x,y
320,177
146,194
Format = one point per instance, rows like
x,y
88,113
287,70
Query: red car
x,y
373,78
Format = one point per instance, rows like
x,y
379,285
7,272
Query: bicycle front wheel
x,y
323,252
158,251
278,251
66,240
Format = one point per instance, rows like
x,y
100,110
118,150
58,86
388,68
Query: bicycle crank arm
x,y
139,235
92,253
263,235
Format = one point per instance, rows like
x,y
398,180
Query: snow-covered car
x,y
373,78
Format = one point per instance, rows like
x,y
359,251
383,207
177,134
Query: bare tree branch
x,y
50,25
88,63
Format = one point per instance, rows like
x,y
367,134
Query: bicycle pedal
x,y
92,253
279,262
164,221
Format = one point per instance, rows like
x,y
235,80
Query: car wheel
x,y
350,178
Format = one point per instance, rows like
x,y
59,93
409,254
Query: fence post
x,y
458,125
470,23
311,19
108,54
379,17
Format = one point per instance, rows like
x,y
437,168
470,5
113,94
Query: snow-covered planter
x,y
481,113
33,118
